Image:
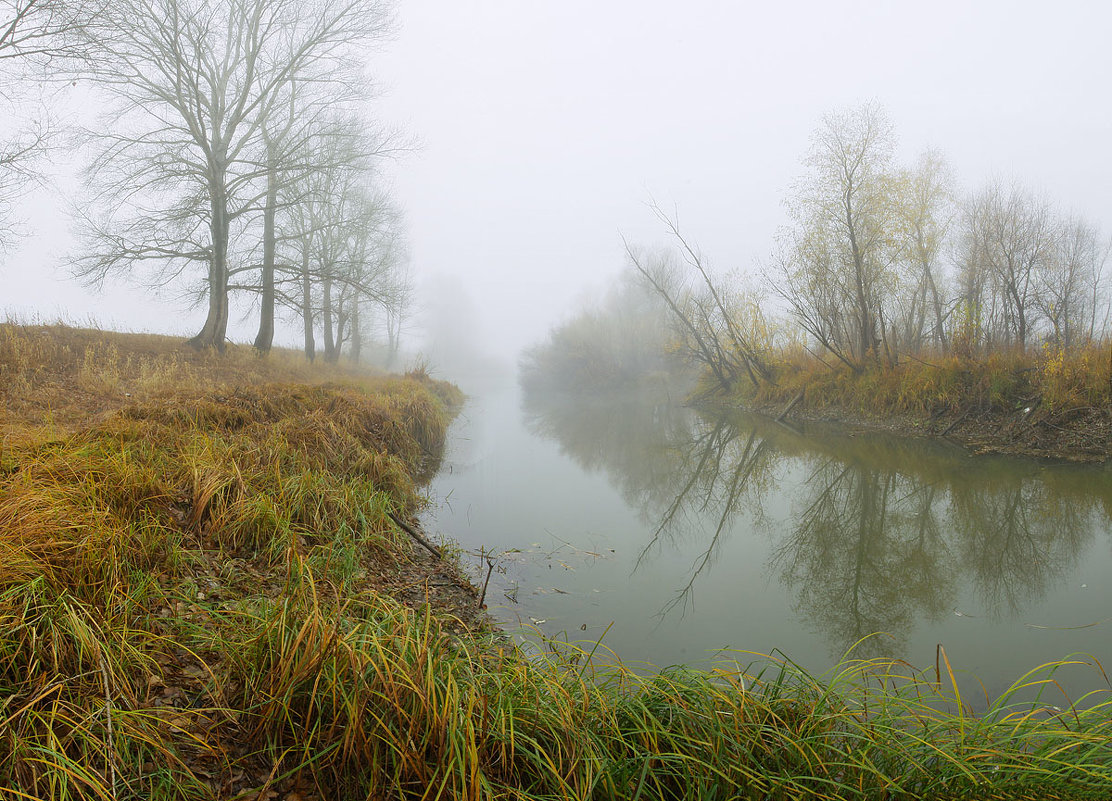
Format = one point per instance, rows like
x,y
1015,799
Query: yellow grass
x,y
1003,382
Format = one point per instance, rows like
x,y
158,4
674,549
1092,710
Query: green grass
x,y
196,602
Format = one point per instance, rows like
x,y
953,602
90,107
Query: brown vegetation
x,y
161,512
67,376
1055,403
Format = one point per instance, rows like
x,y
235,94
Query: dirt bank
x,y
1073,435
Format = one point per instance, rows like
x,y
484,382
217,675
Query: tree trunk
x,y
393,335
867,332
265,338
940,330
342,332
343,321
214,331
307,307
326,322
356,335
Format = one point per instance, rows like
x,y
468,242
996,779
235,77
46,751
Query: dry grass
x,y
933,384
192,607
139,480
64,377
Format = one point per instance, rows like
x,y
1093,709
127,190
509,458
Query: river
x,y
678,534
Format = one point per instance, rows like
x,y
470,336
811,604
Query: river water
x,y
678,534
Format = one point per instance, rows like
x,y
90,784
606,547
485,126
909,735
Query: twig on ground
x,y
110,746
954,424
420,540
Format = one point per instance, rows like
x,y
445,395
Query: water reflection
x,y
870,533
866,553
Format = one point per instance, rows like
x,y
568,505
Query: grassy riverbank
x,y
203,596
1053,403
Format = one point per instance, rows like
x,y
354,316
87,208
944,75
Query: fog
x,y
544,129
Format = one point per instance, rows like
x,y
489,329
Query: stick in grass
x,y
110,746
420,540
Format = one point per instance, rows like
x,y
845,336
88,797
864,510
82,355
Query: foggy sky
x,y
546,126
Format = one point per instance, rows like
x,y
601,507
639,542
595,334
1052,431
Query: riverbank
x,y
1052,405
186,541
1083,437
204,595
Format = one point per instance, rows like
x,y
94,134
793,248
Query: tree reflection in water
x,y
883,532
866,554
686,475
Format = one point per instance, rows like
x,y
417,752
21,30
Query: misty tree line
x,y
881,260
232,155
612,345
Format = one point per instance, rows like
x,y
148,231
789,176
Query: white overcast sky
x,y
546,126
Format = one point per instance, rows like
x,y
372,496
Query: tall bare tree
x,y
320,129
334,240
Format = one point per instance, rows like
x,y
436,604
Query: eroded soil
x,y
1073,435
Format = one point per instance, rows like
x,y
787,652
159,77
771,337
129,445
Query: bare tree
x,y
320,129
44,30
923,209
1008,236
396,313
839,255
722,330
18,157
309,228
815,293
374,273
337,239
195,83
1070,293
317,137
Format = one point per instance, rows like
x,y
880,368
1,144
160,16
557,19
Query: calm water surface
x,y
686,534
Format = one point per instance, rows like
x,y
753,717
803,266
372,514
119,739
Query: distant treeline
x,y
615,345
